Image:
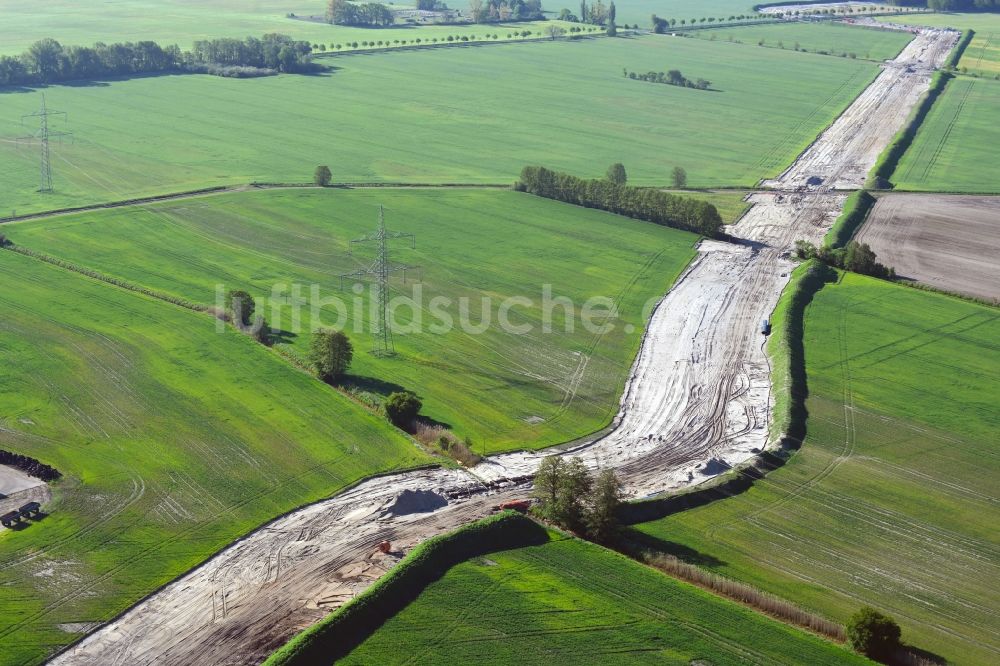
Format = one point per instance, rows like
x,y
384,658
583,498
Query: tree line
x,y
647,204
855,257
671,78
375,14
48,61
496,11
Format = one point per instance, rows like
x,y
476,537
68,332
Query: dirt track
x,y
948,242
699,396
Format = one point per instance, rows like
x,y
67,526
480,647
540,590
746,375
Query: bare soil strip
x,y
945,241
698,402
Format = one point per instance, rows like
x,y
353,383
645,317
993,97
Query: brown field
x,y
945,241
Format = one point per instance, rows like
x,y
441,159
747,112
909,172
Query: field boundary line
x,y
243,187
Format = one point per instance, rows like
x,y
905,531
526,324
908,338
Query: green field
x,y
449,115
568,601
729,203
955,147
833,38
639,11
892,499
182,22
983,54
174,440
503,389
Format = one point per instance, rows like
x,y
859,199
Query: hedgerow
x,y
338,634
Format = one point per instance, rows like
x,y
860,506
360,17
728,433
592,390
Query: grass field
x,y
475,114
568,601
639,11
729,203
505,390
174,440
892,499
983,54
833,38
182,22
954,150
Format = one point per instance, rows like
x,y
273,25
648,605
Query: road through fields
x,y
698,401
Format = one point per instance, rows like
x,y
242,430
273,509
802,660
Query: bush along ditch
x,y
341,632
959,50
856,209
881,173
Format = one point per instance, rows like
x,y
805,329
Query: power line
x,y
43,134
381,269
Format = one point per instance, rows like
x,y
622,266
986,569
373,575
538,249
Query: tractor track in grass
x,y
697,402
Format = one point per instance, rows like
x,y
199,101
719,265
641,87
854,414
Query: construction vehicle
x,y
10,518
765,327
521,506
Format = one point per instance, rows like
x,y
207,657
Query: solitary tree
x,y
679,177
873,634
240,307
602,514
331,353
616,174
546,489
554,31
322,176
402,407
574,487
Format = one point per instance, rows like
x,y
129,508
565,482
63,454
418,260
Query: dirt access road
x,y
698,402
947,241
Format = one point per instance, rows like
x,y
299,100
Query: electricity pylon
x,y
381,269
43,134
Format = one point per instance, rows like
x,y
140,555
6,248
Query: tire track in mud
x,y
699,390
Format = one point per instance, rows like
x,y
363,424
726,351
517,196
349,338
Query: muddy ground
x,y
698,402
946,241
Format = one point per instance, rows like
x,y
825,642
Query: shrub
x,y
240,306
402,407
873,634
322,176
330,353
616,174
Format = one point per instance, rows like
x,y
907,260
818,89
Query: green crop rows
x,y
503,388
572,602
455,115
891,500
173,440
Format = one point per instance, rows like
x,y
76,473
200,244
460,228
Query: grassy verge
x,y
881,174
855,211
959,50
